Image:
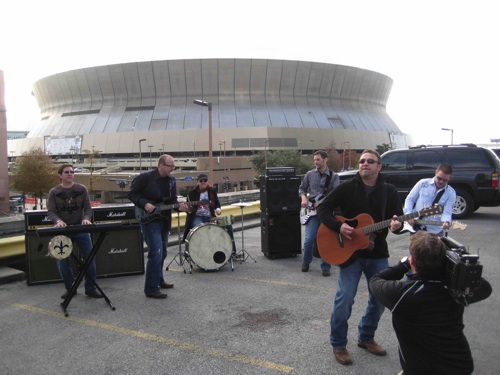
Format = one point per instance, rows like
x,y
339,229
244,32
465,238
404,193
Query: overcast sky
x,y
442,55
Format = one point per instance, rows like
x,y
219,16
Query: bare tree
x,y
34,173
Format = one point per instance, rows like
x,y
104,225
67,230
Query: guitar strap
x,y
327,183
438,197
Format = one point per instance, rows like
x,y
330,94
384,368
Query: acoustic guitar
x,y
337,250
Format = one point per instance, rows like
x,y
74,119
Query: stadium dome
x,y
256,104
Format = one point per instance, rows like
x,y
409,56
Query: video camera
x,y
463,271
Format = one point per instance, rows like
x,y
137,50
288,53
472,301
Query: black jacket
x,y
427,321
350,196
150,187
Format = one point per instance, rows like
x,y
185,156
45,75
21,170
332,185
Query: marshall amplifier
x,y
123,213
34,220
121,253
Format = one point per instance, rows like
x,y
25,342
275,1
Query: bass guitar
x,y
337,250
144,217
454,225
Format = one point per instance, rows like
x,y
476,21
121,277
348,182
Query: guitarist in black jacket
x,y
366,193
147,190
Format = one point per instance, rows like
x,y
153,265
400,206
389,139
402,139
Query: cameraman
x,y
428,322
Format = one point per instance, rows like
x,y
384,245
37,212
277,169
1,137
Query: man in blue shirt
x,y
424,194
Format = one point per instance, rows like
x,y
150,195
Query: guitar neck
x,y
387,223
428,222
164,207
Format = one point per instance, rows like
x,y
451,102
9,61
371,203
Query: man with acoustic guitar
x,y
364,197
147,191
317,183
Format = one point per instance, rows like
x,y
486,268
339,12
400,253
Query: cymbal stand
x,y
182,256
243,255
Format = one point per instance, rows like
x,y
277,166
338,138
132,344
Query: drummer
x,y
203,213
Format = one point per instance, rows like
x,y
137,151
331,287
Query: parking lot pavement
x,y
265,317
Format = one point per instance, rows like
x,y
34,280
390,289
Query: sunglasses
x,y
69,172
441,179
369,161
202,180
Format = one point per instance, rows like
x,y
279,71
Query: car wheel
x,y
464,205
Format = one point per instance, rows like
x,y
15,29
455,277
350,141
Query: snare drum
x,y
223,221
60,247
209,246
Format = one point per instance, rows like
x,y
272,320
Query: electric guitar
x,y
337,250
310,210
144,217
454,225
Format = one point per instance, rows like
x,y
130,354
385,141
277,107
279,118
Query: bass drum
x,y
209,246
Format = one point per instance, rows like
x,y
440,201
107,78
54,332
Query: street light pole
x,y
210,156
150,163
140,154
194,149
450,130
343,155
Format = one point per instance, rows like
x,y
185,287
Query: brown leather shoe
x,y
342,356
305,267
372,347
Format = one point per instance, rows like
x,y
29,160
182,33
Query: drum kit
x,y
209,245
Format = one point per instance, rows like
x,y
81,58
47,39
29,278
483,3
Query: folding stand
x,y
83,266
243,255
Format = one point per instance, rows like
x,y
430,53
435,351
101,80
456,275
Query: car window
x,y
427,159
468,158
395,161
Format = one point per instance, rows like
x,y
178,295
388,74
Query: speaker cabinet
x,y
279,194
281,235
121,252
41,267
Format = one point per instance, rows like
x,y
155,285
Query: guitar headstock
x,y
434,210
458,225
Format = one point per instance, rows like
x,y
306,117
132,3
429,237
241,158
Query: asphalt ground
x,y
265,317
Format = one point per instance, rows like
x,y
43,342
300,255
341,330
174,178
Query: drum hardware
x,y
209,247
243,255
180,254
223,221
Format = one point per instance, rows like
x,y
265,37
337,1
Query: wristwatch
x,y
406,261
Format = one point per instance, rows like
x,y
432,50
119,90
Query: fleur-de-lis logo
x,y
61,248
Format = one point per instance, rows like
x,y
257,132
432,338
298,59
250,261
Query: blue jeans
x,y
344,299
155,234
84,244
310,235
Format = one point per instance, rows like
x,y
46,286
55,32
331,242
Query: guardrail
x,y
15,246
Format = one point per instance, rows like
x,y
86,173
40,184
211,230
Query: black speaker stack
x,y
280,213
121,253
